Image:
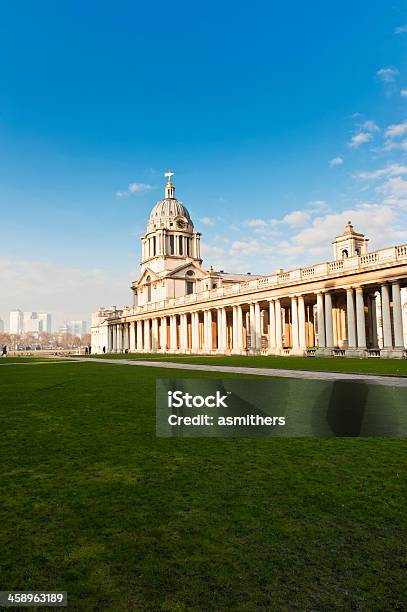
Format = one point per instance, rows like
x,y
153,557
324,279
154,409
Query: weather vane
x,y
169,174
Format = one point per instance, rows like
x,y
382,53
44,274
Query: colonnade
x,y
352,320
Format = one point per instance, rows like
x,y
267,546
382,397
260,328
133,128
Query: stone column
x,y
124,337
386,318
257,326
373,312
321,321
147,342
210,338
302,337
224,330
154,334
207,325
360,318
184,332
219,330
350,317
173,333
132,336
194,332
139,339
163,334
115,339
294,323
397,316
118,338
272,326
234,330
252,325
239,329
279,339
328,321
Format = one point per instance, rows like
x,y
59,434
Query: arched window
x,y
180,245
148,283
344,254
357,251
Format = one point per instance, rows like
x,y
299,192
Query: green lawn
x,y
93,503
385,367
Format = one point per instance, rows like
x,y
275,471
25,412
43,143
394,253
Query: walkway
x,y
388,381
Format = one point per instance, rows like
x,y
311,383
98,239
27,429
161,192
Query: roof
x,y
169,207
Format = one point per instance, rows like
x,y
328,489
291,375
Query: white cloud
x,y
336,161
392,145
246,247
209,250
393,170
139,187
374,220
256,223
400,29
403,93
134,188
396,190
297,218
317,205
395,130
388,74
207,221
370,125
359,139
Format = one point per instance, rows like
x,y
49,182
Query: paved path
x,y
389,381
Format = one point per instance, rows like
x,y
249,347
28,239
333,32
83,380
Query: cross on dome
x,y
169,188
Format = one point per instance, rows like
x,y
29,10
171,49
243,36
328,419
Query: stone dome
x,y
170,213
168,208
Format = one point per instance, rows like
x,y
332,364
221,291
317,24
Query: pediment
x,y
143,278
181,271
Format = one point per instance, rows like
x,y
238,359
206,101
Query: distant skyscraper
x,y
45,324
16,322
77,328
1,326
29,322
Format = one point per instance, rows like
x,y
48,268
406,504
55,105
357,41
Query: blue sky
x,y
279,119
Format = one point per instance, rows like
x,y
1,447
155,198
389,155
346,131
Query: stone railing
x,y
316,272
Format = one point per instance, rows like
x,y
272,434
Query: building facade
x,y
16,322
351,306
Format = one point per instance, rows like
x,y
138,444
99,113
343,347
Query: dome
x,y
168,208
169,213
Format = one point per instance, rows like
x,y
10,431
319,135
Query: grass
x,y
18,359
384,367
95,504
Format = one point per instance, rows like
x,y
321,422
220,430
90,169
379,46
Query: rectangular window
x,y
154,245
188,246
190,287
171,245
180,246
